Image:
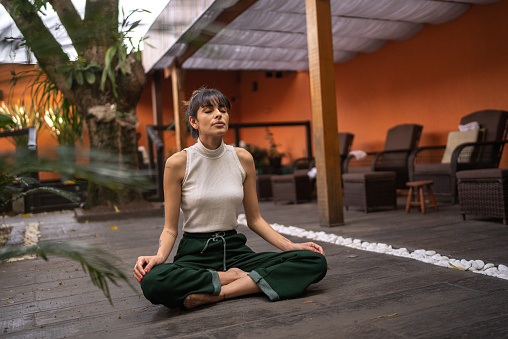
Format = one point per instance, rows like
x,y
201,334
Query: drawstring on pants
x,y
217,236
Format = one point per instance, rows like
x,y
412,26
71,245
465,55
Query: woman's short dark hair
x,y
204,97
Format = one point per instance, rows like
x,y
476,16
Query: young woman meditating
x,y
208,181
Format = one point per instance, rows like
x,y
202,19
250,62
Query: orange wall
x,y
435,78
285,98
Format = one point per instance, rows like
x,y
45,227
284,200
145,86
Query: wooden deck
x,y
364,295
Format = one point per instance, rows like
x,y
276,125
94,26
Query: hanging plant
x,y
80,71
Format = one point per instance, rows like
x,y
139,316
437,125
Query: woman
x,y
208,181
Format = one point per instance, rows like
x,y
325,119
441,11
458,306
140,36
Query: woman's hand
x,y
144,265
309,246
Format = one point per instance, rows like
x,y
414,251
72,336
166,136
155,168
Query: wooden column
x,y
324,112
157,101
177,79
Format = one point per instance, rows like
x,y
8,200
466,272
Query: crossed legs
x,y
234,283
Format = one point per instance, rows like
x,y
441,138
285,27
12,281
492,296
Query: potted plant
x,y
259,155
274,156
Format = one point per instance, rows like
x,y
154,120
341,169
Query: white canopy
x,y
271,34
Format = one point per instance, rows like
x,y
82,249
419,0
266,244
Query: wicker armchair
x,y
400,141
426,163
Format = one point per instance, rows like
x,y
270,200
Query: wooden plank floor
x,y
364,295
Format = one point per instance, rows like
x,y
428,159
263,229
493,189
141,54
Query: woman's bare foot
x,y
231,275
194,300
242,286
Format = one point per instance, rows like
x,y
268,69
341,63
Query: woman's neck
x,y
211,142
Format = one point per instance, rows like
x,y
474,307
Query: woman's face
x,y
211,120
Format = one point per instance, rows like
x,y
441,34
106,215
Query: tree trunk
x,y
114,133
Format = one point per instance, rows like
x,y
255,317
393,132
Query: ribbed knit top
x,y
212,189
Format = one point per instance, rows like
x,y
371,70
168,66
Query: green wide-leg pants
x,y
279,275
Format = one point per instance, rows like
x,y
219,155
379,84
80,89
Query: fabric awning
x,y
270,35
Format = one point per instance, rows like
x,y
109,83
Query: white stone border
x,y
30,238
430,257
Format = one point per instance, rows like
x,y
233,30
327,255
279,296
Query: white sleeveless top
x,y
212,189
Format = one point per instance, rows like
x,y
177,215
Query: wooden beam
x,y
157,101
177,79
209,31
324,112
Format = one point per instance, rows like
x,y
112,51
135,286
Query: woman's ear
x,y
193,122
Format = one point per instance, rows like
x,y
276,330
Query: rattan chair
x,y
426,163
400,141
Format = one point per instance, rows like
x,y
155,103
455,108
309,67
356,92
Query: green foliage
x,y
15,183
30,6
99,263
61,116
65,123
80,71
116,55
22,116
259,154
272,148
5,121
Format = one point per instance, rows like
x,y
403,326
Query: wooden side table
x,y
420,197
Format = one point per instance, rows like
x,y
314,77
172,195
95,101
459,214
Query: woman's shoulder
x,y
177,161
243,154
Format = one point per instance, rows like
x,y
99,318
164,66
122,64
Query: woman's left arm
x,y
254,219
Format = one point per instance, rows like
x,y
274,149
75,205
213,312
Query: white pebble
x,y
487,266
503,268
491,271
427,256
479,264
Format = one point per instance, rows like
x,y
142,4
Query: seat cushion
x,y
457,138
487,173
368,176
433,168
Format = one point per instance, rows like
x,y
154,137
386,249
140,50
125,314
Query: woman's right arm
x,y
174,173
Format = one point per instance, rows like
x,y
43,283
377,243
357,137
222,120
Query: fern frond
x,y
99,264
